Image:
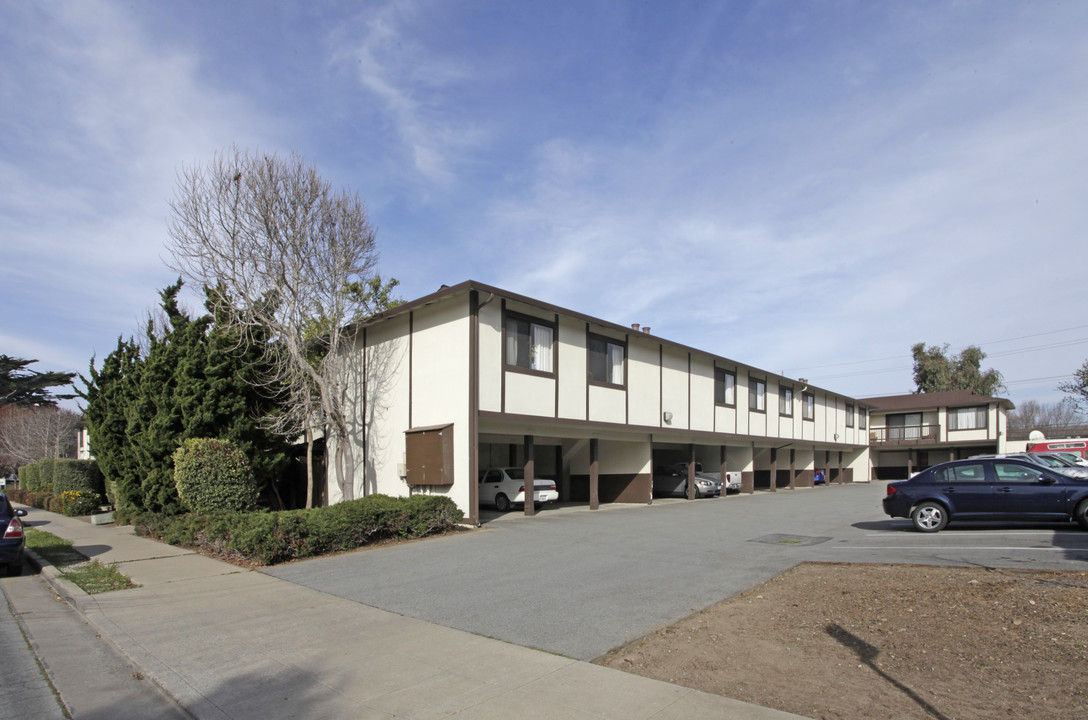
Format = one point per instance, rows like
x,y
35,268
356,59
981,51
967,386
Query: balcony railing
x,y
905,435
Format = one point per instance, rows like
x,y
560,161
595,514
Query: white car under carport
x,y
505,487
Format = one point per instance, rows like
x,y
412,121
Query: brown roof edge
x,y
463,287
947,398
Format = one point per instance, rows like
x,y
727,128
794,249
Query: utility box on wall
x,y
429,455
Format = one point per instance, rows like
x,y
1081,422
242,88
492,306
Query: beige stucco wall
x,y
644,380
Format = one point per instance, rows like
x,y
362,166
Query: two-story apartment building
x,y
912,432
473,376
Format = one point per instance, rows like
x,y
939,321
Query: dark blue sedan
x,y
12,539
987,489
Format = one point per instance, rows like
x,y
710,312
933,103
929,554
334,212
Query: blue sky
x,y
807,187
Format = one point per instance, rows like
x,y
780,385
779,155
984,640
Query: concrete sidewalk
x,y
226,642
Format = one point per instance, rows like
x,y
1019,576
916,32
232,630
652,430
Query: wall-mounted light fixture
x,y
668,417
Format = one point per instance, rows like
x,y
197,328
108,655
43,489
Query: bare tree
x,y
1033,415
291,260
29,434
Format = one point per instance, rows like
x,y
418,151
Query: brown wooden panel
x,y
429,454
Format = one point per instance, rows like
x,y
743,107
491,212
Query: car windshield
x,y
1051,461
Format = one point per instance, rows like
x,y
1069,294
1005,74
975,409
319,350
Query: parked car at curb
x,y
12,537
505,487
987,488
672,481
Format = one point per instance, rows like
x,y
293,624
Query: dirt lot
x,y
886,641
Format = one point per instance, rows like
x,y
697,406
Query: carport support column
x,y
774,469
594,476
840,468
691,471
530,483
723,474
793,469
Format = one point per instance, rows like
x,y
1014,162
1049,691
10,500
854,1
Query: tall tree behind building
x,y
937,371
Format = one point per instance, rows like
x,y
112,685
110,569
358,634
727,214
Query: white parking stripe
x,y
948,547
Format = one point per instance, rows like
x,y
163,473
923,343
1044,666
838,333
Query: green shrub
x,y
47,466
78,475
214,476
266,538
30,477
75,502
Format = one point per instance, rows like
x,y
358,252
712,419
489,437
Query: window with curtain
x,y
725,387
972,418
757,395
808,406
785,401
849,414
529,344
605,360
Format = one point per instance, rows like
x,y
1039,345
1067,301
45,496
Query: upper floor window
x,y
530,343
606,360
849,414
972,418
863,419
808,406
725,387
757,395
785,401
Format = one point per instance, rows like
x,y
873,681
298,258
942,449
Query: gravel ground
x,y
886,641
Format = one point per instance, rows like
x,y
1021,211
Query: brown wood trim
x,y
660,385
411,366
712,437
614,488
502,355
689,410
587,372
594,474
626,377
555,363
530,476
467,285
474,407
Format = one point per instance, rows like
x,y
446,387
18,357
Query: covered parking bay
x,y
618,467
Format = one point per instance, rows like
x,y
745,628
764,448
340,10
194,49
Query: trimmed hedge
x,y
214,476
30,477
267,538
46,468
78,476
33,498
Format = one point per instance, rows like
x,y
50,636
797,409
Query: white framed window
x,y
606,360
530,343
725,387
808,406
972,418
757,395
785,401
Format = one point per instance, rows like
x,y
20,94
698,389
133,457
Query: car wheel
x,y
502,503
1081,514
929,517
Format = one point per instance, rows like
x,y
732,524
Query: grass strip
x,y
91,576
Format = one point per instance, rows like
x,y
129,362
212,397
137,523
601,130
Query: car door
x,y
966,488
1029,492
489,486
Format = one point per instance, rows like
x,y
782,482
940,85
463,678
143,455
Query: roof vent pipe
x,y
646,329
634,326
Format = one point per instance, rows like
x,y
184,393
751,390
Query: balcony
x,y
904,435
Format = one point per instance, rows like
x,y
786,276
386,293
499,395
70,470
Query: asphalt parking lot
x,y
579,583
